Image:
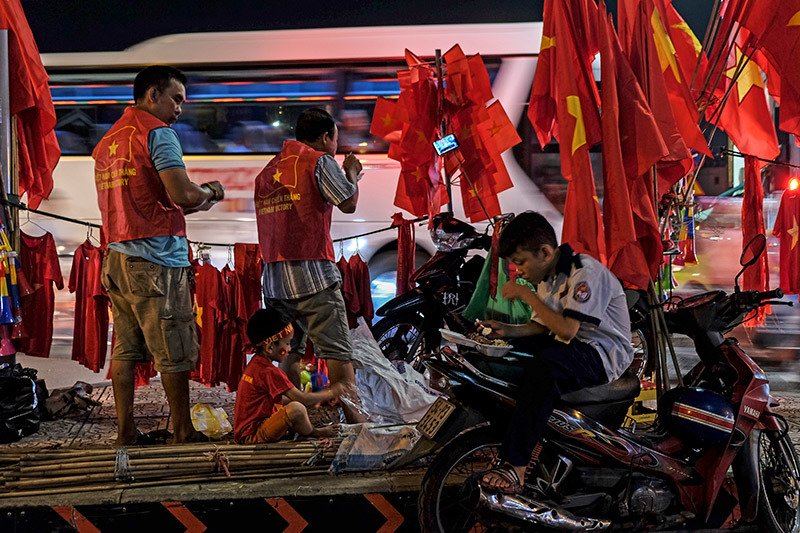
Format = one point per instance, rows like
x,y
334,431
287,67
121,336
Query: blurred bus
x,y
245,92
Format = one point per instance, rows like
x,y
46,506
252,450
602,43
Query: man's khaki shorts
x,y
322,318
153,312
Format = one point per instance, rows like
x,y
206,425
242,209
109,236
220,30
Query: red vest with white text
x,y
294,220
133,201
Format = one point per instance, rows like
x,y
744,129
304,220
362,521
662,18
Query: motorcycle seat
x,y
626,387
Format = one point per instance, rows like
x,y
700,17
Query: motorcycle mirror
x,y
753,250
750,254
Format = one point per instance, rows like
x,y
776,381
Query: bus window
x,y
235,112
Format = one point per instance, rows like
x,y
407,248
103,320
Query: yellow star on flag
x,y
421,136
664,46
795,20
277,176
418,174
112,148
387,120
547,42
198,311
494,129
794,231
473,191
682,26
574,109
749,77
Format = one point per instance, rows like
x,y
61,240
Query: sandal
x,y
506,473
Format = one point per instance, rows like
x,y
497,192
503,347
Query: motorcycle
x,y
717,450
409,329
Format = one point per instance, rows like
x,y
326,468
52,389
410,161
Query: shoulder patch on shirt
x,y
582,292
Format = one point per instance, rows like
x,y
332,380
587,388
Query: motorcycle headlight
x,y
449,242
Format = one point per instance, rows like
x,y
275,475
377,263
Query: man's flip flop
x,y
506,473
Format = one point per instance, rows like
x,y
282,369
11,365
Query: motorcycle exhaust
x,y
531,511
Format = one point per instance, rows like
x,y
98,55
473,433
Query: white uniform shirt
x,y
583,289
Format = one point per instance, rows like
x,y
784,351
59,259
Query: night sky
x,y
96,25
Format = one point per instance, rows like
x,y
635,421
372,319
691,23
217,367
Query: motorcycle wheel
x,y
401,339
448,501
779,502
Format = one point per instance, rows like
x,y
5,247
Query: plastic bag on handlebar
x,y
482,306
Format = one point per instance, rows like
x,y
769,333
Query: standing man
x,y
294,198
143,192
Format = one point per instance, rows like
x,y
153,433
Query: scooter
x,y
409,329
718,454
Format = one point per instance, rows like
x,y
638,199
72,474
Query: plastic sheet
x,y
372,447
393,394
19,404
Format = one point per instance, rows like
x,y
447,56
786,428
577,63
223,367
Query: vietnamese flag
x,y
579,128
644,59
32,105
756,277
745,115
542,105
632,144
387,121
787,229
775,24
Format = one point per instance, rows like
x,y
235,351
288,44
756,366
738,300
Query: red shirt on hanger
x,y
234,329
39,262
209,316
90,333
362,287
248,265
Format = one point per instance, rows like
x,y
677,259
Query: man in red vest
x,y
144,192
294,197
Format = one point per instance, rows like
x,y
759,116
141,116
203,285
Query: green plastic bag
x,y
482,307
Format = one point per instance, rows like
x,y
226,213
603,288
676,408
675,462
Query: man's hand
x,y
513,291
352,166
216,189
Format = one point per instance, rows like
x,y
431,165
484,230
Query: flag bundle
x,y
412,122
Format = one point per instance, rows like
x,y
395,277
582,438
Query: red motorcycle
x,y
717,456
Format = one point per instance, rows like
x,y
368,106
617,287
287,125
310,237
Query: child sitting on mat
x,y
267,404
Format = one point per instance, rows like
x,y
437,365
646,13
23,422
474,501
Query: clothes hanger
x,y
230,257
90,236
29,221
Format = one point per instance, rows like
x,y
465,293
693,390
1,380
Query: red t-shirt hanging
x,y
39,262
786,227
234,330
209,309
260,389
362,289
248,265
90,334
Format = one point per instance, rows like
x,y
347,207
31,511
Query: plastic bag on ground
x,y
210,421
391,396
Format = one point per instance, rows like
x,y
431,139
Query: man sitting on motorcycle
x,y
579,334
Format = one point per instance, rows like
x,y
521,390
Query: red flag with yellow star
x,y
787,225
775,25
632,144
542,105
579,128
387,120
746,116
756,277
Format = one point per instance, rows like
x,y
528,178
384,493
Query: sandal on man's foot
x,y
508,478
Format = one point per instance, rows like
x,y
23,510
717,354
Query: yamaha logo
x,y
751,412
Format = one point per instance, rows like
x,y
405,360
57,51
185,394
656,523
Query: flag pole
x,y
443,125
5,125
